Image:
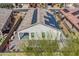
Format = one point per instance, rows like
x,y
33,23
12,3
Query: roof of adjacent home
x,y
4,15
72,18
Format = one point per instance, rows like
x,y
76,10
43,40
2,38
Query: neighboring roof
x,y
72,18
38,16
72,5
4,15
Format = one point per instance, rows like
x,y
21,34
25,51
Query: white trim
x,y
38,31
19,36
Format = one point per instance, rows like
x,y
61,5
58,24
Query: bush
x,y
6,5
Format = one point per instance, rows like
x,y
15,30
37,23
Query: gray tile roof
x,y
41,13
26,22
4,15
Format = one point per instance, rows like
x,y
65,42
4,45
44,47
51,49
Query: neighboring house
x,y
21,5
55,5
37,24
5,20
71,19
72,5
5,23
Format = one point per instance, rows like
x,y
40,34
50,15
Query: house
x,y
72,5
5,20
37,24
6,23
55,5
71,19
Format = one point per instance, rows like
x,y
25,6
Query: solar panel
x,y
34,18
52,20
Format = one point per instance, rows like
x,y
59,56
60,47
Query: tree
x,y
6,5
72,45
41,47
51,47
1,39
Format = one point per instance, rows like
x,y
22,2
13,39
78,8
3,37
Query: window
x,y
76,13
24,36
50,4
43,35
34,17
32,35
65,10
